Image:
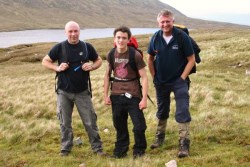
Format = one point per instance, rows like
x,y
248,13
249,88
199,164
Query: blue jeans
x,y
121,107
65,104
180,89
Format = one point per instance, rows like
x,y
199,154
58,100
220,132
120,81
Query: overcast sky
x,y
233,11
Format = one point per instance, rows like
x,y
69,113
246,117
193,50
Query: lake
x,y
8,39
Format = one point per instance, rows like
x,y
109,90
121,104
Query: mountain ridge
x,y
53,14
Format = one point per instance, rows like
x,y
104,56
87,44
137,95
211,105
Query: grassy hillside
x,y
220,136
44,14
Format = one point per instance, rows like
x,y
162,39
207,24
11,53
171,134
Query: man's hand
x,y
107,100
87,67
62,67
143,104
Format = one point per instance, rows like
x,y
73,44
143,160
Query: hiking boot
x,y
160,134
118,156
158,142
183,148
101,153
64,153
138,154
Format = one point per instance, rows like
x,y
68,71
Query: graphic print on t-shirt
x,y
121,71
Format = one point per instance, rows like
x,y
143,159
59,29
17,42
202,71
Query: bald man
x,y
75,59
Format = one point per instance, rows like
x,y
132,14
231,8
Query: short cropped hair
x,y
165,12
123,29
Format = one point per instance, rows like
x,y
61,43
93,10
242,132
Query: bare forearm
x,y
106,82
107,100
97,63
106,86
188,68
47,62
144,81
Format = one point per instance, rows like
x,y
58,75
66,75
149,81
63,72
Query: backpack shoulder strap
x,y
179,37
132,58
154,38
180,41
111,58
181,50
64,59
85,56
64,51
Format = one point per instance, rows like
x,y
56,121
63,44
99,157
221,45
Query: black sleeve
x,y
55,52
91,52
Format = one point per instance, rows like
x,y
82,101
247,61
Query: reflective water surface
x,y
8,39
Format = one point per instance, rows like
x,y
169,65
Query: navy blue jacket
x,y
169,64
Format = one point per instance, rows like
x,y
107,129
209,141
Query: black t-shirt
x,y
72,80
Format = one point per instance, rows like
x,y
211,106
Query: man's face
x,y
121,40
72,31
166,24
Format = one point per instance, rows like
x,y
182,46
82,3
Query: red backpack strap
x,y
133,42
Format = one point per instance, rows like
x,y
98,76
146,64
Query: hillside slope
x,y
43,14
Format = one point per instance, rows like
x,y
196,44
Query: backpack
x,y
84,58
195,46
132,47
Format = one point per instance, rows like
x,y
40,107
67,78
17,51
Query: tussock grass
x,y
219,93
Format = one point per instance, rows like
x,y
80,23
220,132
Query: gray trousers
x,y
65,104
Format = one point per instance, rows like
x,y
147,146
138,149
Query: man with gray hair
x,y
73,69
169,70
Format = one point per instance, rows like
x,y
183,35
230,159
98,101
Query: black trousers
x,y
121,107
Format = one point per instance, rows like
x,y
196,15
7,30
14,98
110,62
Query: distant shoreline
x,y
8,39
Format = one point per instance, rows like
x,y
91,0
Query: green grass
x,y
220,136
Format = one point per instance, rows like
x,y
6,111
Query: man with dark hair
x,y
126,96
170,72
